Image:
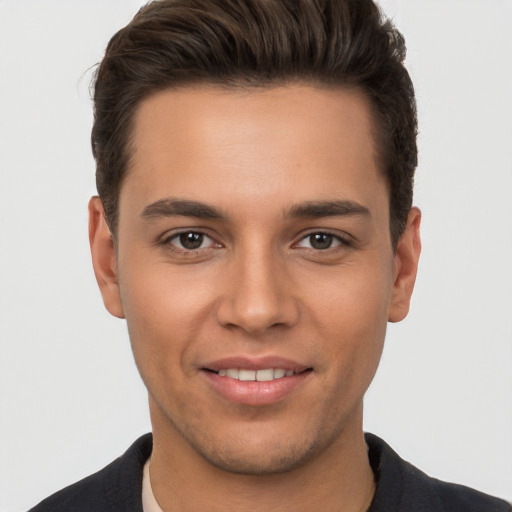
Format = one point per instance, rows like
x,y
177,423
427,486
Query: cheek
x,y
165,309
350,313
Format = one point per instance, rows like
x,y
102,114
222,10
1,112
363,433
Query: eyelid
x,y
342,238
169,236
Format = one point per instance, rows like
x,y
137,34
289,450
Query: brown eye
x,y
191,241
321,240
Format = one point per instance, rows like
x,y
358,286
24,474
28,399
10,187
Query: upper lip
x,y
253,363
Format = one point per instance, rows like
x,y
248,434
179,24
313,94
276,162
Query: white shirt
x,y
149,503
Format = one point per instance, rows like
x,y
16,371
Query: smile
x,y
256,382
264,375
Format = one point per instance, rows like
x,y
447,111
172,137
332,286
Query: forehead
x,y
290,142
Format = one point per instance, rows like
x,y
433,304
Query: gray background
x,y
70,397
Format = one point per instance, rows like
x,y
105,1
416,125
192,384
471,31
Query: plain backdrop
x,y
70,397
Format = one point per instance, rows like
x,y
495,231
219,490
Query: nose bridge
x,y
259,294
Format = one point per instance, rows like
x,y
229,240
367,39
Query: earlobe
x,y
104,258
406,265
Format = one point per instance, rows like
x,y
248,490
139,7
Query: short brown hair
x,y
256,43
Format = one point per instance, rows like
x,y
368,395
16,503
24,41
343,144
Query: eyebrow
x,y
170,207
319,209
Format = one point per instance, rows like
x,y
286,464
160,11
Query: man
x,y
255,227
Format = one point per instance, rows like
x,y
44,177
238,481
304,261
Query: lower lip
x,y
255,392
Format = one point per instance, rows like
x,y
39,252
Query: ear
x,y
104,258
406,265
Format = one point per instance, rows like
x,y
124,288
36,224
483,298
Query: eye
x,y
321,241
191,241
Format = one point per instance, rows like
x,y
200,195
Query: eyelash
x,y
335,238
168,241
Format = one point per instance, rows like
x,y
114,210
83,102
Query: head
x,y
257,44
255,163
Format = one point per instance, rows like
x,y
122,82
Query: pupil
x,y
320,241
191,240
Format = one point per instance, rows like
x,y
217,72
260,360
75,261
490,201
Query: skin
x,y
258,285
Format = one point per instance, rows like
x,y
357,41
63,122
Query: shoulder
x,y
403,487
117,487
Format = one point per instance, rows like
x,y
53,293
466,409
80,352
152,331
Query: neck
x,y
340,478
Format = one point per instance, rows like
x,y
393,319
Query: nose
x,y
258,296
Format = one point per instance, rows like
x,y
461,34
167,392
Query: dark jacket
x,y
400,487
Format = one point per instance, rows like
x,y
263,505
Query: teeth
x,y
267,374
263,375
247,375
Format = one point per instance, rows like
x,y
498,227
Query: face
x,y
255,270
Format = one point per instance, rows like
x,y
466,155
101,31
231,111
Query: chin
x,y
260,461
257,454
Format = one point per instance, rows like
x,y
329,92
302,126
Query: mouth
x,y
256,382
262,375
